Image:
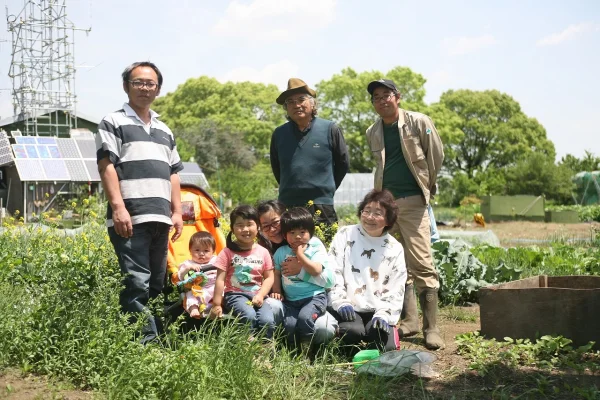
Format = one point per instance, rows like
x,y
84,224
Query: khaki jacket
x,y
421,146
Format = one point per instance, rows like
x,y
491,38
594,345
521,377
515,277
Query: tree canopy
x,y
344,99
245,107
589,162
488,130
491,146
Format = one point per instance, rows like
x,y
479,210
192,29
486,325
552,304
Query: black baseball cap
x,y
381,82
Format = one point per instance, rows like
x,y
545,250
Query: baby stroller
x,y
200,213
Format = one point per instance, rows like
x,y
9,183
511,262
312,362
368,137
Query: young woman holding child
x,y
270,213
303,295
370,275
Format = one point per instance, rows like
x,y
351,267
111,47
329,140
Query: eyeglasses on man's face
x,y
141,84
273,225
375,214
298,100
385,97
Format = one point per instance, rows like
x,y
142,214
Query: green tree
x,y
589,162
246,186
344,99
537,174
486,130
453,189
245,107
214,146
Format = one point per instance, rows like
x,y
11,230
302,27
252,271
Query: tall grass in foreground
x,y
60,317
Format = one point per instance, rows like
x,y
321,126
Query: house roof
x,y
22,117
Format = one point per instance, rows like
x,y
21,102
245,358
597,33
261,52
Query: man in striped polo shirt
x,y
138,164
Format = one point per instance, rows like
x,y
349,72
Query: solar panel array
x,y
6,156
192,174
55,159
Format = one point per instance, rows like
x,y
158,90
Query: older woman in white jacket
x,y
370,275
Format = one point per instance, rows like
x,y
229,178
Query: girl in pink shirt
x,y
245,272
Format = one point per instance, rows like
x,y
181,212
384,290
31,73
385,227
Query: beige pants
x,y
415,236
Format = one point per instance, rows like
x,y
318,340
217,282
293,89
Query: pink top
x,y
244,269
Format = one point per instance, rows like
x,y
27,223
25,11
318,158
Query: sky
x,y
545,54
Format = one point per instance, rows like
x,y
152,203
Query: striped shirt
x,y
145,157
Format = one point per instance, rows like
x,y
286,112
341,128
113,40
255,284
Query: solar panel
x,y
30,170
25,140
56,170
77,170
6,156
15,133
43,151
191,168
31,151
92,169
46,140
81,133
68,148
87,148
19,150
194,179
54,152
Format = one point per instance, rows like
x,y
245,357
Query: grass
x,y
458,314
60,318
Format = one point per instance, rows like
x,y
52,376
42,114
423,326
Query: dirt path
x,y
16,386
521,232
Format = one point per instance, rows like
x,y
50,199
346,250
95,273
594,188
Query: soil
x,y
15,385
515,233
458,381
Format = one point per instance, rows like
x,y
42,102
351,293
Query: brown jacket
x,y
421,146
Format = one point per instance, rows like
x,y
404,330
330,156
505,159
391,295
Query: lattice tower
x,y
42,69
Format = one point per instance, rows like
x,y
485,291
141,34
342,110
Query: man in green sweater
x,y
408,153
308,154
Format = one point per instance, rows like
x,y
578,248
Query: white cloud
x,y
570,33
274,20
456,46
277,73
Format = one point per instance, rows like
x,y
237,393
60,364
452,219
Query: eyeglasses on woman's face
x,y
273,225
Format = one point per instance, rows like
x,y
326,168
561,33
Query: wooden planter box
x,y
543,305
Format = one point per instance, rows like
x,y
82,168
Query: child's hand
x,y
291,266
302,248
216,312
276,296
257,300
195,267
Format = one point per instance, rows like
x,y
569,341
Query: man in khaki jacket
x,y
409,154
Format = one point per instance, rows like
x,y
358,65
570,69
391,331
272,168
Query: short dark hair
x,y
385,200
203,239
270,205
127,72
297,218
245,212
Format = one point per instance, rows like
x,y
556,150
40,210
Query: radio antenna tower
x,y
42,68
